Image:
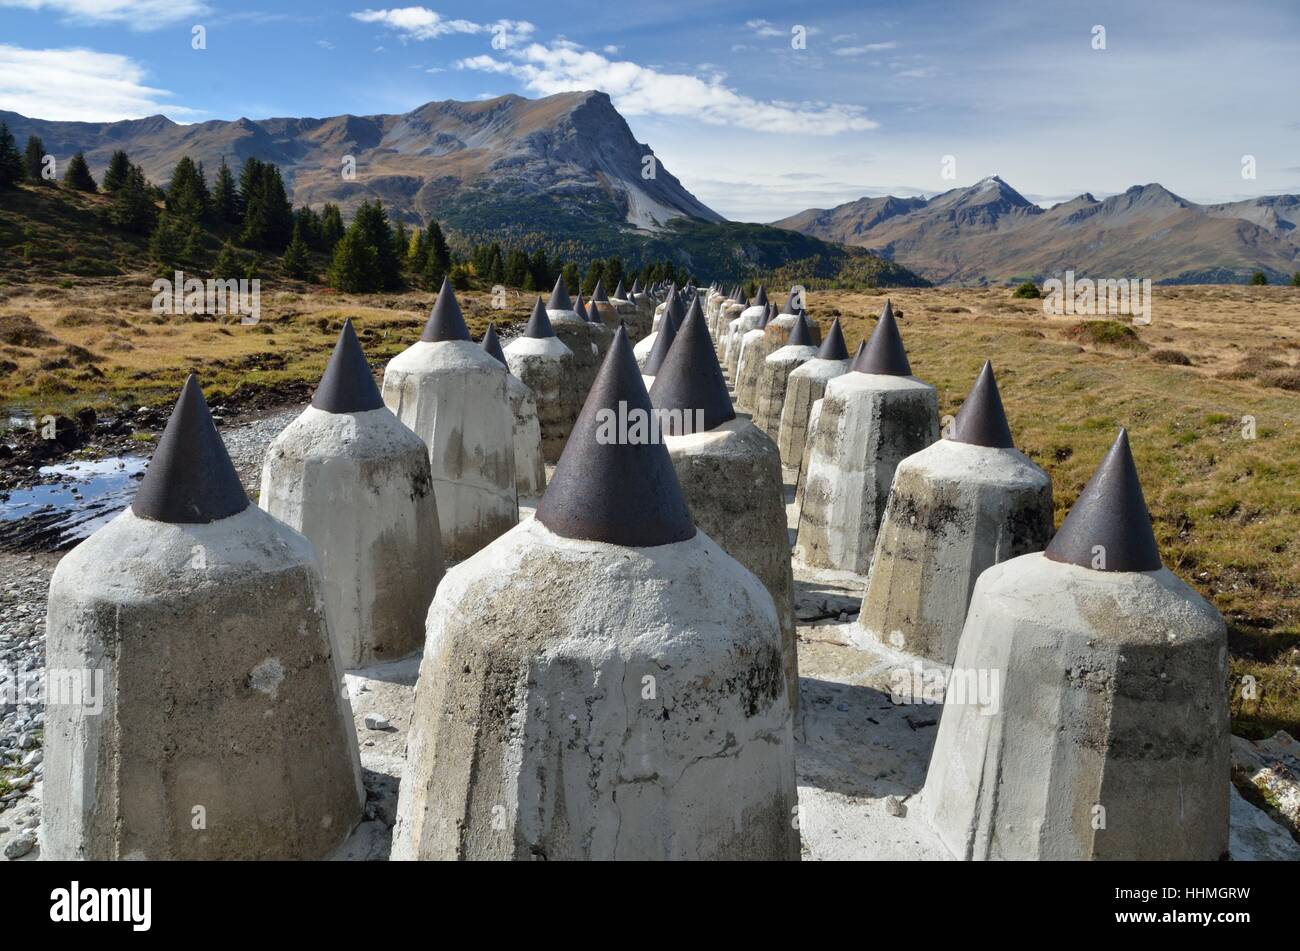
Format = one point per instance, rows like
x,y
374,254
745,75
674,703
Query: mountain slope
x,y
571,147
564,171
990,233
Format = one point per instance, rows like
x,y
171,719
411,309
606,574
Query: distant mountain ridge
x,y
571,145
564,170
990,233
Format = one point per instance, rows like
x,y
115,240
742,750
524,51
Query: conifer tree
x,y
225,195
355,267
438,247
133,208
34,159
297,261
229,265
78,175
516,268
571,277
11,163
371,222
187,194
167,243
331,227
119,168
193,250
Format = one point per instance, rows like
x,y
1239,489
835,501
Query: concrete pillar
x,y
673,306
773,376
530,465
541,360
736,330
646,716
805,386
730,473
352,478
721,331
453,395
211,722
956,507
870,421
1100,730
601,333
663,342
576,333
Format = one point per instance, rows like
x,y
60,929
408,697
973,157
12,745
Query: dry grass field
x,y
1187,387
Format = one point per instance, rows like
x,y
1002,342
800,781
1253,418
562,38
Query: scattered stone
x,y
20,845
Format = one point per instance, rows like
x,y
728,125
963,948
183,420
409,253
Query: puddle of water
x,y
58,515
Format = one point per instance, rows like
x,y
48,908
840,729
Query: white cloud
x,y
865,48
421,23
763,28
325,44
642,90
137,14
78,85
611,49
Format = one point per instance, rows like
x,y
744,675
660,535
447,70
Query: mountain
x,y
990,233
565,169
572,147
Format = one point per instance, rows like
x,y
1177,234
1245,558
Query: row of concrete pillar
x,y
617,677
1111,669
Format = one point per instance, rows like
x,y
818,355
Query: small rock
x,y
375,721
34,758
20,846
894,807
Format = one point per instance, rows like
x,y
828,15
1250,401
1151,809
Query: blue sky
x,y
878,96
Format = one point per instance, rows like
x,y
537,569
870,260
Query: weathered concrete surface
x,y
954,510
530,465
720,326
736,330
537,735
221,697
805,386
632,316
548,367
867,425
731,476
583,340
358,486
639,322
770,388
1107,737
453,395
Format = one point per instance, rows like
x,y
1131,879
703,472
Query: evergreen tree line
x,y
253,211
